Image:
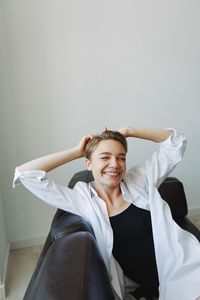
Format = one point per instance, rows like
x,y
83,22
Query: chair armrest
x,y
187,225
172,191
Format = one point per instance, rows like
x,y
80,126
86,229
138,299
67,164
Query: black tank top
x,y
133,247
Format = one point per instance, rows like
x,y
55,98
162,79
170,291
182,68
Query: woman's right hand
x,y
82,144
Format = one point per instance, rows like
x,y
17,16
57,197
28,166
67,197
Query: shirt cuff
x,y
176,139
34,175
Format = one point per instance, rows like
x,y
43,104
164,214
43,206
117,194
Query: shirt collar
x,y
93,193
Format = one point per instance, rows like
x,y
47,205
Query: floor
x,y
21,266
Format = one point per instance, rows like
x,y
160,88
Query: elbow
x,y
19,169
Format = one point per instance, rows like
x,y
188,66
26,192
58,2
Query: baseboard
x,y
2,292
28,242
194,211
3,284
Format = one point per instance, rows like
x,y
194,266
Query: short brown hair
x,y
105,135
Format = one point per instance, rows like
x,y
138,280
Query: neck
x,y
108,194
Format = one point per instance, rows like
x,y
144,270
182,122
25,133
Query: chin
x,y
112,184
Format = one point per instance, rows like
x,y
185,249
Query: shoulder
x,y
82,188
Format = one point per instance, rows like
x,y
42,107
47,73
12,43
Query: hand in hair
x,y
125,131
82,144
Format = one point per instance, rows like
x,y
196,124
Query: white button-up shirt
x,y
177,251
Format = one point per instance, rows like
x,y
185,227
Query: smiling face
x,y
107,163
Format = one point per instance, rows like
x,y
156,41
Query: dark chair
x,y
70,266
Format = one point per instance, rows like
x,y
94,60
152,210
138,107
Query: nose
x,y
113,162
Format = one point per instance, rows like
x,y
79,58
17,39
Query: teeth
x,y
112,173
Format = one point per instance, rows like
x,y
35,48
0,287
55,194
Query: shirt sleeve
x,y
155,170
59,196
163,161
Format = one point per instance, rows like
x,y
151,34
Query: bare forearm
x,y
51,161
152,134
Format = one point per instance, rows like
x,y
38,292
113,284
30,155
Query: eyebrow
x,y
108,153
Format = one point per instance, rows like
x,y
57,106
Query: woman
x,y
126,205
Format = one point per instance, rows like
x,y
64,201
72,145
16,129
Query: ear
x,y
88,164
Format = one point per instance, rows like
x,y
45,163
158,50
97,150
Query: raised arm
x,y
167,155
52,161
152,134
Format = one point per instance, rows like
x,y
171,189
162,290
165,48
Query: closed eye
x,y
122,158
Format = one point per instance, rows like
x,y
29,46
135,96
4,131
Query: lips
x,y
112,173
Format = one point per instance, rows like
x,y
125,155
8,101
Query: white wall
x,y
4,248
73,67
4,245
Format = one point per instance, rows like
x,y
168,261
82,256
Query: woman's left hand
x,y
125,131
